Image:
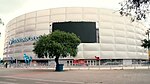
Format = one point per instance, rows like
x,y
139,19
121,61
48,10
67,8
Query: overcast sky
x,y
12,8
9,9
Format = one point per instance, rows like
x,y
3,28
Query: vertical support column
x,y
16,62
99,63
90,62
49,62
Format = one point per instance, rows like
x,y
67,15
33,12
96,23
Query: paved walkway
x,y
102,67
47,76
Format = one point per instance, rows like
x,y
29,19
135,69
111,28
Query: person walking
x,y
6,64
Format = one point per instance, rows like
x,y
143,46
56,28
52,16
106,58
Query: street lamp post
x,y
147,33
1,22
0,32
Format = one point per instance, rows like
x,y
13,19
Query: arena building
x,y
104,34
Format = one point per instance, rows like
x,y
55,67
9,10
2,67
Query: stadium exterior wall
x,y
119,37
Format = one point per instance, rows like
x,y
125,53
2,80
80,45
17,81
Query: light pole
x,y
1,22
147,33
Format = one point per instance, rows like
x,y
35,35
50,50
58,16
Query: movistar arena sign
x,y
24,39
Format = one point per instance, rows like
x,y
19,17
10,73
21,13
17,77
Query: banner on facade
x,y
79,61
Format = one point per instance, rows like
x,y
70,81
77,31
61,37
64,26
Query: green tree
x,y
1,22
57,44
146,43
137,9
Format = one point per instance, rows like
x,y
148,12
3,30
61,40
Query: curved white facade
x,y
119,38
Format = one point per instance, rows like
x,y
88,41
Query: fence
x,y
78,66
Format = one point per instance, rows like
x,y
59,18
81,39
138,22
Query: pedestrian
x,y
6,64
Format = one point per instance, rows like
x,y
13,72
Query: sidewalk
x,y
46,76
89,68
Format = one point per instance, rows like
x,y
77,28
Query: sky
x,y
10,9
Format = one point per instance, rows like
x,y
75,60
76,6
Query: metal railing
x,y
78,66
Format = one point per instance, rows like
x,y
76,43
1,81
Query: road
x,y
47,76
